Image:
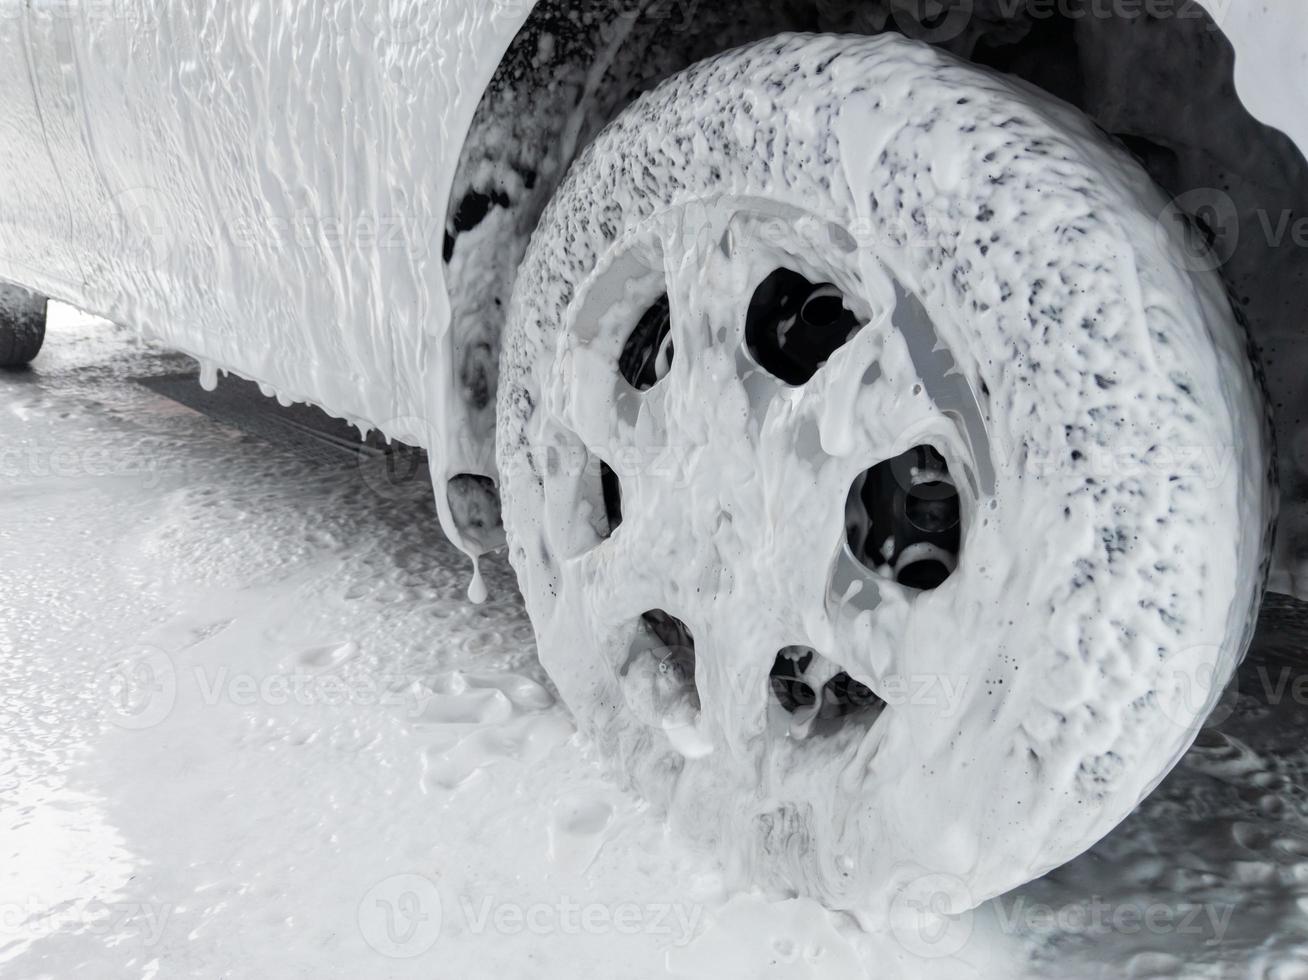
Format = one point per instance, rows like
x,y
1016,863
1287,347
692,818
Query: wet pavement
x,y
251,726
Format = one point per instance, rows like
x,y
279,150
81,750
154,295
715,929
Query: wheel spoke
x,y
771,463
610,416
870,617
874,398
711,268
621,577
735,693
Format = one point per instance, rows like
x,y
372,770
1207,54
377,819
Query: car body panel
x,y
262,186
265,186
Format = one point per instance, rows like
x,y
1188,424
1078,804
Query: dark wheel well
x,y
1161,81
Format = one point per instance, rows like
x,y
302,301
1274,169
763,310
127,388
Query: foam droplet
x,y
477,587
208,375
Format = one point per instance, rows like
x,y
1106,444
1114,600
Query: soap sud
x,y
276,823
142,238
742,550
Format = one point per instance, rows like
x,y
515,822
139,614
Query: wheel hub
x,y
749,391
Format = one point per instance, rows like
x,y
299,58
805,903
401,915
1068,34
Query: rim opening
x,y
903,519
611,493
820,697
658,678
587,490
794,326
474,503
646,357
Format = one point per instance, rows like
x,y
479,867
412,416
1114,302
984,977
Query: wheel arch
x,y
573,66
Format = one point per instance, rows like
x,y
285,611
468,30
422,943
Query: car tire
x,y
22,325
789,316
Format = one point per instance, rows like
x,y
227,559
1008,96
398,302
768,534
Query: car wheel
x,y
889,494
22,325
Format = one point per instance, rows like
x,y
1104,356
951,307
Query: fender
x,y
330,199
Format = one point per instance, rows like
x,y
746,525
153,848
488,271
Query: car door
x,y
34,207
223,187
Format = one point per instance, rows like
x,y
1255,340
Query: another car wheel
x,y
22,325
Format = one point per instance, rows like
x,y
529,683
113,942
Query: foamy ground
x,y
252,727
